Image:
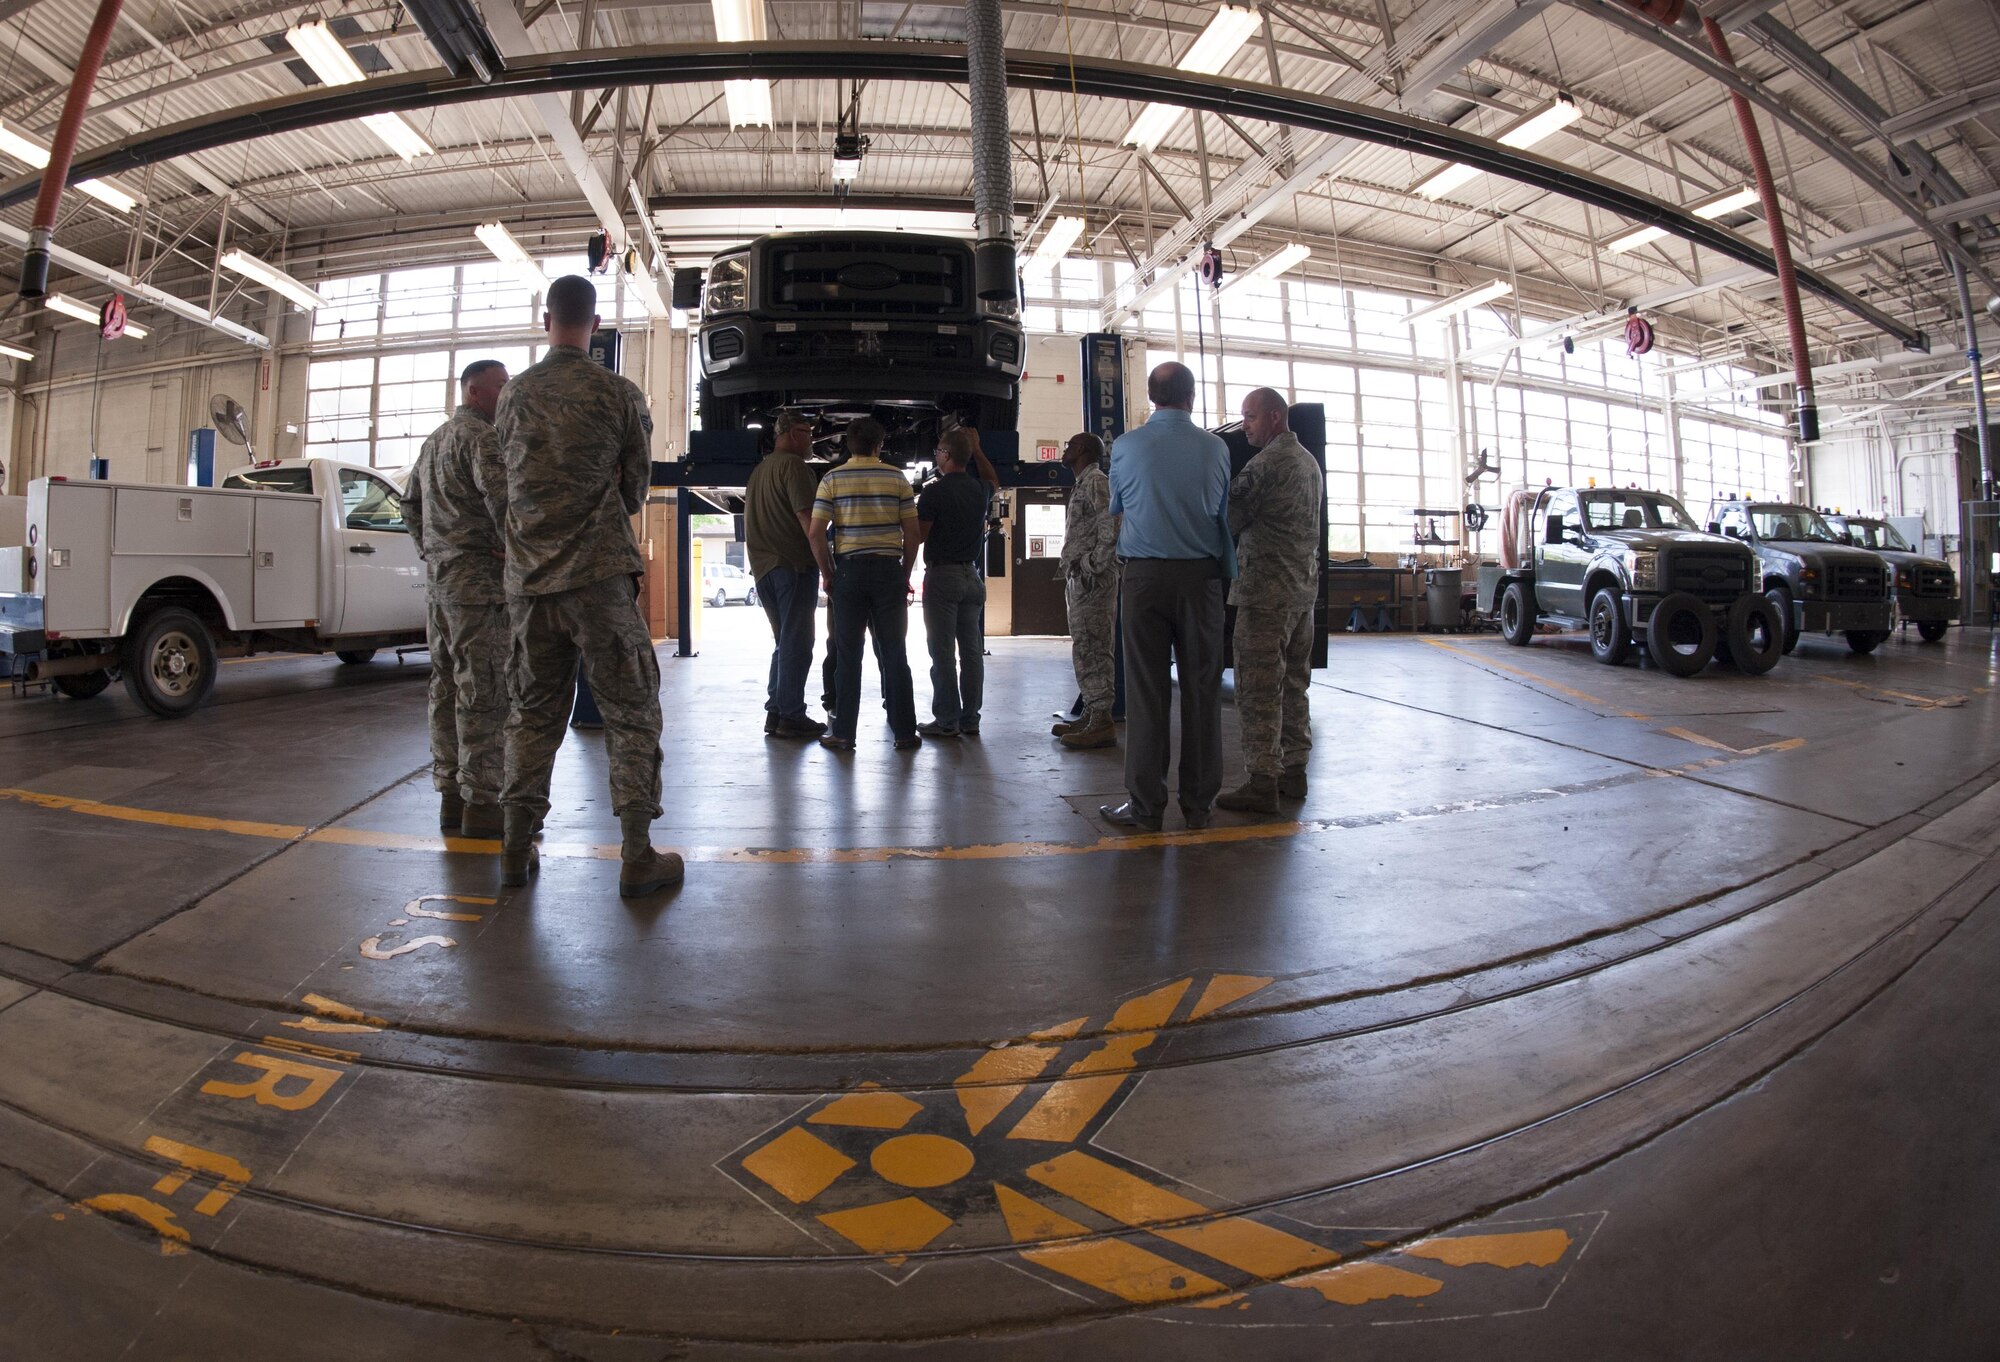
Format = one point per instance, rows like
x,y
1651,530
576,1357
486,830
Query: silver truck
x,y
158,583
1926,587
1818,581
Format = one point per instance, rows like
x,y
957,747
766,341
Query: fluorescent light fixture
x,y
739,21
1460,302
1523,133
1725,203
1055,243
749,102
1227,31
37,155
70,307
1633,240
15,352
324,53
273,278
1271,266
497,239
399,136
136,331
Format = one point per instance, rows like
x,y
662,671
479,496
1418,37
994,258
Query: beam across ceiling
x,y
66,259
694,63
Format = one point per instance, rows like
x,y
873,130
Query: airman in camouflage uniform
x,y
1090,590
445,506
577,444
1275,505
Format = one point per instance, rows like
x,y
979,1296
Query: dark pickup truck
x,y
1926,588
847,324
1818,581
1631,567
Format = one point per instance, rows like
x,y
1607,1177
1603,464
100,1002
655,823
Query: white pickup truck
x,y
159,582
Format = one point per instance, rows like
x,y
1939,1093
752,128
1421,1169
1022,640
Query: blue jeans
x,y
955,621
789,598
868,598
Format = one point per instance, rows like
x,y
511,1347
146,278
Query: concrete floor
x,y
1579,1011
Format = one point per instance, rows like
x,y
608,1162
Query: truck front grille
x,y
874,347
1934,581
868,277
1856,582
1715,578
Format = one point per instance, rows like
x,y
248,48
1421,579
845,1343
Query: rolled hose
x,y
62,149
1512,523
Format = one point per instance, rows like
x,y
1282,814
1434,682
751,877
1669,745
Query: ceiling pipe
x,y
42,229
992,157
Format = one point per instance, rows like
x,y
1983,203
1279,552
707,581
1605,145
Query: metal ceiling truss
x,y
941,63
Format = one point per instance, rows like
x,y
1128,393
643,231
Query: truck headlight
x,y
728,287
999,307
1903,578
1645,572
1809,582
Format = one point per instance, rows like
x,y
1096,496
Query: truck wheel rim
x,y
176,664
1600,629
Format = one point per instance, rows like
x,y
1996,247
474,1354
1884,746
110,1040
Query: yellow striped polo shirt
x,y
865,503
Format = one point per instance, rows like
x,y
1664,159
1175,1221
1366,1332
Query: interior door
x,y
378,559
1040,514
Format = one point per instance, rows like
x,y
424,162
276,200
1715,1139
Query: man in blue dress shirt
x,y
1170,485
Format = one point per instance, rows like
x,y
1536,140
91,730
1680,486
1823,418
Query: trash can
x,y
1444,590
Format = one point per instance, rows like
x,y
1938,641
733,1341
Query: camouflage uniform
x,y
1275,505
1090,590
576,442
445,506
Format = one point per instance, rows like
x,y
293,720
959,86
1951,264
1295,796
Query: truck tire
x,y
1933,631
82,686
169,662
1866,641
353,657
1681,635
1610,639
1517,613
1782,599
1754,635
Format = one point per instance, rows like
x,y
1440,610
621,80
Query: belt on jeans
x,y
885,555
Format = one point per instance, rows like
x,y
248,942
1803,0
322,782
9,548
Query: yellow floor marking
x,y
304,1047
1539,1248
1927,701
349,1019
1063,1032
1537,678
1149,1012
1225,989
1124,1270
1782,745
798,1165
231,1175
997,1078
1061,1113
889,1226
174,1238
1245,1245
921,1160
1360,1283
868,1110
241,827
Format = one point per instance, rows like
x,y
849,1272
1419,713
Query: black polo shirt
x,y
954,507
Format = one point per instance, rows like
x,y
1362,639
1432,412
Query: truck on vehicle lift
x,y
157,583
1926,587
855,323
1634,569
1818,581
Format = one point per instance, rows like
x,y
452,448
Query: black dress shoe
x,y
1196,820
1125,816
905,744
833,744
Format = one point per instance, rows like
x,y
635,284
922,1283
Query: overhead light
x,y
324,53
1460,302
749,103
399,136
271,277
70,307
497,239
136,331
739,21
1055,243
1724,203
1272,265
1227,31
15,352
1634,239
37,155
1522,133
847,149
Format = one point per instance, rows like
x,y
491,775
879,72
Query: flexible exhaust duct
x,y
1978,377
992,156
42,229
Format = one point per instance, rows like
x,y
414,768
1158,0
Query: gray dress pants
x,y
1172,606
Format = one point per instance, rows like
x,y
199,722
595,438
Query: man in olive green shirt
x,y
777,514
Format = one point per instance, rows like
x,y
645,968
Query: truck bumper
x,y
1927,609
21,624
1834,617
1639,609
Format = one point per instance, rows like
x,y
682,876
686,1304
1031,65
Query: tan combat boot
x,y
519,857
1259,794
483,821
451,808
1095,731
645,871
1292,784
